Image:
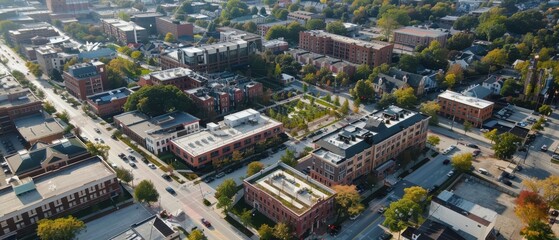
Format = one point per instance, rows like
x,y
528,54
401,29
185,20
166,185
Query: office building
x,y
74,7
414,36
459,107
356,51
367,146
229,34
236,132
24,35
284,194
303,16
39,127
50,58
110,102
54,194
85,79
178,28
124,32
155,133
180,77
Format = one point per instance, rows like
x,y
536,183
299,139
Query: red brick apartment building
x,y
352,50
178,28
367,146
54,194
311,204
413,36
236,132
223,99
110,102
182,78
465,108
85,79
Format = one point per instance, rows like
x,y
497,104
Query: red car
x,y
206,223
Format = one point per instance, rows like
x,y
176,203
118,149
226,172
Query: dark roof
x,y
96,54
431,230
412,78
82,70
477,50
491,79
383,132
162,227
478,92
388,83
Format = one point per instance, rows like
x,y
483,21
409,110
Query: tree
x,y
293,30
433,140
505,145
196,235
289,158
282,231
159,99
69,63
400,213
98,149
227,188
225,203
462,161
450,80
124,16
34,68
386,100
363,90
136,55
246,217
545,110
362,72
336,27
530,207
266,232
431,108
538,125
49,108
59,229
387,26
276,31
305,88
253,168
55,75
345,107
236,156
434,56
263,11
348,200
491,135
537,230
460,41
466,22
525,21
548,188
467,126
408,63
510,87
416,194
315,24
146,192
495,57
124,175
405,97
250,27
169,37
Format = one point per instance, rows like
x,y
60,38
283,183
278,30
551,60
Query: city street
x,y
189,202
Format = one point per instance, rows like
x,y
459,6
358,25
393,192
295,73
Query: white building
x,y
465,217
494,83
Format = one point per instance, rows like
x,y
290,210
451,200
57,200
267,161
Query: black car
x,y
472,145
446,161
170,190
507,182
229,170
166,177
208,179
385,236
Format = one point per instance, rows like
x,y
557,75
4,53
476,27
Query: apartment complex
x,y
85,79
68,6
54,194
284,194
465,108
229,34
155,133
180,77
178,28
110,102
236,132
322,61
303,16
15,102
124,32
353,50
24,35
50,58
469,219
369,145
414,36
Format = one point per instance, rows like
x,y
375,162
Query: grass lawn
x,y
144,71
169,158
257,220
239,226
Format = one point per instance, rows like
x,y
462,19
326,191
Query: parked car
x,y
555,156
544,148
449,174
472,145
220,175
152,166
385,236
381,210
334,229
121,155
446,161
507,182
130,150
166,177
476,153
170,190
483,130
554,212
97,130
206,223
132,157
229,170
552,221
132,164
208,179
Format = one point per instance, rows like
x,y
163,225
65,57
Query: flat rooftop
x,y
130,118
339,38
16,96
467,100
415,31
173,73
55,184
294,190
213,48
209,140
152,228
37,126
109,96
162,125
461,205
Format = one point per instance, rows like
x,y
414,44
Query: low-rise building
x,y
303,16
39,127
50,58
367,146
74,7
276,46
396,79
155,133
110,102
24,35
15,102
494,83
147,20
431,230
322,61
150,229
229,34
471,221
284,194
176,27
180,77
124,32
414,36
86,79
54,194
465,108
236,132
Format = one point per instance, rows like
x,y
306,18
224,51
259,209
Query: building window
x,y
45,207
57,203
214,153
237,145
71,197
32,212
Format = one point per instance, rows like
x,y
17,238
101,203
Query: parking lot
x,y
10,143
487,196
110,225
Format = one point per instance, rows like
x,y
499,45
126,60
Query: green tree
x,y
362,72
64,116
363,90
289,158
433,140
253,168
136,55
460,41
55,75
224,203
263,11
405,97
236,156
496,57
348,200
49,108
416,194
337,101
159,99
60,228
266,232
431,108
315,24
124,175
462,161
537,230
345,107
227,188
336,27
276,31
510,87
282,231
124,16
98,149
400,214
387,26
450,80
491,135
434,56
386,100
408,63
545,110
246,217
505,145
467,126
146,192
196,235
293,30
169,37
250,27
525,21
305,88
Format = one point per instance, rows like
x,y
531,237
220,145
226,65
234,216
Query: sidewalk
x,y
444,126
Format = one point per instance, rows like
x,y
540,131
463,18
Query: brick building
x,y
50,58
15,102
352,50
24,35
322,61
236,132
303,16
68,6
311,204
367,146
110,102
180,77
155,133
176,27
457,106
86,79
54,194
124,32
414,36
39,127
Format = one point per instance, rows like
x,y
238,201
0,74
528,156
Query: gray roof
x,y
152,228
82,70
432,230
109,96
97,54
477,91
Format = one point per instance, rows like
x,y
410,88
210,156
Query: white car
x,y
152,166
354,217
130,150
449,174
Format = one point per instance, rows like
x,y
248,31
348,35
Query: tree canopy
x,y
60,228
98,149
159,99
505,145
289,158
433,140
363,90
348,200
227,188
462,162
336,27
431,108
146,192
405,97
253,168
